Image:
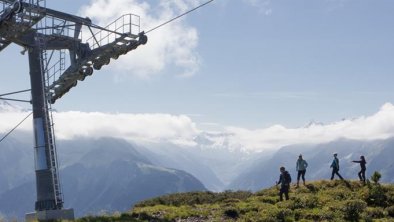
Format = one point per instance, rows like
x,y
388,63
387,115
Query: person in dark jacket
x,y
284,181
335,167
362,163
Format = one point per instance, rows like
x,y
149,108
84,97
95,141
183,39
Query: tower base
x,y
47,215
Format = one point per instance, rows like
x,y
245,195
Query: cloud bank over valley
x,y
182,130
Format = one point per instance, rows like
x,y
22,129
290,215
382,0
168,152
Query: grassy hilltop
x,y
318,201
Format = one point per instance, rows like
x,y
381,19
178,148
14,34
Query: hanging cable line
x,y
16,100
171,20
1,140
11,93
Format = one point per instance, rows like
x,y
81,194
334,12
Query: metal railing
x,y
128,24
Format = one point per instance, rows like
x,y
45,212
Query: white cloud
x,y
10,118
172,46
377,126
181,130
263,6
153,128
134,127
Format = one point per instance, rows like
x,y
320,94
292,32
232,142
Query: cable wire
x,y
1,140
21,91
171,20
15,100
12,93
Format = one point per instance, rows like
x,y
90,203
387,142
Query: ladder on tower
x,y
49,127
50,70
53,159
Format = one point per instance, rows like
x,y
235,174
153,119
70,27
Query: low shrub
x,y
376,177
390,196
193,198
353,209
376,196
317,215
231,200
285,215
338,193
289,204
374,212
312,188
273,191
305,201
390,211
298,214
269,214
268,199
231,213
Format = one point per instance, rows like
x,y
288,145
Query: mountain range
x,y
111,174
108,175
265,173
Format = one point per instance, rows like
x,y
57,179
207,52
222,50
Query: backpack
x,y
287,177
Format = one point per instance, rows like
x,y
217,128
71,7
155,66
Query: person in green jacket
x,y
301,166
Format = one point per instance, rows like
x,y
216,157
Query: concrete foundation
x,y
48,215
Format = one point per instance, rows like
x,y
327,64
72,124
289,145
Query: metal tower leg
x,y
47,206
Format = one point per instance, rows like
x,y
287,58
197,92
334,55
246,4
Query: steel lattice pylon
x,y
59,56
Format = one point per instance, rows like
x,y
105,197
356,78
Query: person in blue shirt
x,y
284,181
301,166
335,167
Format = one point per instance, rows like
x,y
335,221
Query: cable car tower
x,y
60,55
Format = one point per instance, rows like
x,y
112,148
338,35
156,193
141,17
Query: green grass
x,y
318,201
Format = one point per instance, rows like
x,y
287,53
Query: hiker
x,y
301,166
335,167
284,180
362,163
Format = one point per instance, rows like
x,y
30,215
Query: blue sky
x,y
254,63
